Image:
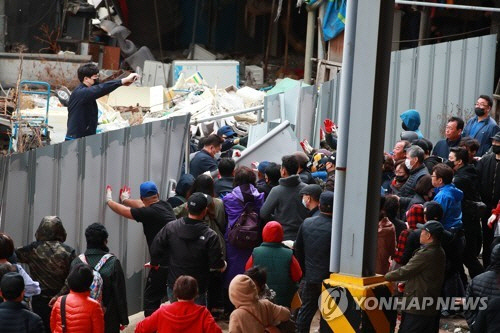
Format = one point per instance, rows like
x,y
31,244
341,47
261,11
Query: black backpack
x,y
245,232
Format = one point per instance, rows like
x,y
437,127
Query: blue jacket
x,y
450,198
488,129
442,148
411,118
82,108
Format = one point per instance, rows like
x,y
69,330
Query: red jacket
x,y
83,314
177,317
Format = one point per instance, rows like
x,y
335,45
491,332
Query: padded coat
x,y
83,314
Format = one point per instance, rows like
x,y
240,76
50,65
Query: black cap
x,y
197,202
12,285
435,228
326,201
314,190
496,137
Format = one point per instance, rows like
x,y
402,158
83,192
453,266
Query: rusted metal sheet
x,y
52,68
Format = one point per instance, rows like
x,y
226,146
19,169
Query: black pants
x,y
155,290
215,291
412,323
41,307
487,240
310,294
473,242
454,249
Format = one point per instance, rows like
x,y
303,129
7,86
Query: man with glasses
x,y
482,127
82,106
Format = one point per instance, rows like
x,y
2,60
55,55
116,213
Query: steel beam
x,y
362,115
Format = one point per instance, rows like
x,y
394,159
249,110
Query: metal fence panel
x,y
438,80
69,179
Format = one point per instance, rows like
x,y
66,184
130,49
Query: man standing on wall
x,y
82,107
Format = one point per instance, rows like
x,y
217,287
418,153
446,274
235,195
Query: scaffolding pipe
x,y
343,133
311,22
444,5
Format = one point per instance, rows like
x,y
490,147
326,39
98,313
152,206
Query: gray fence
x,y
69,179
438,80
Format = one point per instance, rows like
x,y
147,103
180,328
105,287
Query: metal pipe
x,y
343,133
287,36
3,25
226,115
321,45
443,5
311,18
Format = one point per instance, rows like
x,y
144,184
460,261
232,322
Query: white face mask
x,y
217,155
408,164
304,202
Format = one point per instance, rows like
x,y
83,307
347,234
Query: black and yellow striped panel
x,y
351,304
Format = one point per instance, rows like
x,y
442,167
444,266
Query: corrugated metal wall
x,y
69,179
438,80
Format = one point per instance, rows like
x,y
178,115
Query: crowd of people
x,y
244,243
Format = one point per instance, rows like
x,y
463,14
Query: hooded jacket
x,y
234,203
284,204
181,316
48,258
83,314
251,314
450,199
191,248
411,119
283,269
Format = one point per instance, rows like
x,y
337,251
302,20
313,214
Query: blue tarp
x,y
334,19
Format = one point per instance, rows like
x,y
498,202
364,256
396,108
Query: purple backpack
x,y
245,232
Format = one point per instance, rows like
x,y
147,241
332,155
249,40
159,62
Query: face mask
x,y
495,149
400,179
217,155
304,202
450,164
479,112
408,164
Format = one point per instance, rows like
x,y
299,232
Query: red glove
x,y
148,265
329,125
123,327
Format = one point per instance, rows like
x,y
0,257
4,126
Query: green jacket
x,y
424,275
276,259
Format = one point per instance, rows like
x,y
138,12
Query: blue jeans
x,y
201,299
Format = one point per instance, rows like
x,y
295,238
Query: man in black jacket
x,y
312,249
82,107
190,246
485,285
466,179
14,315
488,169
